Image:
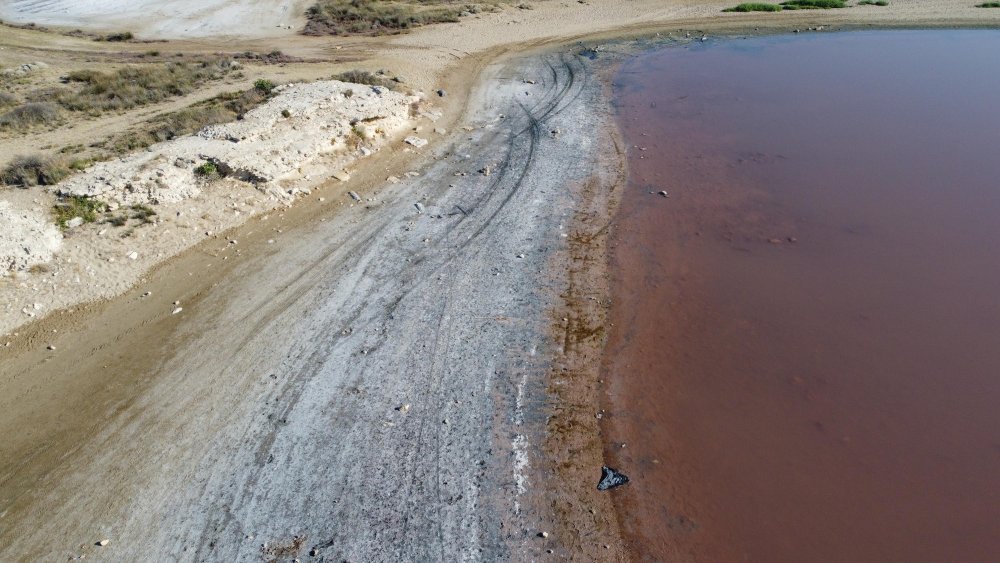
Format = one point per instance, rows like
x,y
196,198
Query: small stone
x,y
543,534
405,407
103,543
51,347
74,222
177,310
392,180
663,193
133,255
415,141
341,175
354,196
313,552
419,206
442,93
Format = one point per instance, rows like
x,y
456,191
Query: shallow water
x,y
805,364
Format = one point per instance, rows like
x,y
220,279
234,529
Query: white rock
x,y
133,255
341,175
415,141
177,310
74,222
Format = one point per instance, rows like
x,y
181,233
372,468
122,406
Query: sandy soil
x,y
382,381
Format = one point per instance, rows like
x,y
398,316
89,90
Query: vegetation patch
x,y
134,86
208,170
119,37
34,170
988,5
220,109
380,17
873,3
754,7
7,100
29,115
77,206
367,78
813,4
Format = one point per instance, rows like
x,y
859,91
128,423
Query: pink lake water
x,y
805,364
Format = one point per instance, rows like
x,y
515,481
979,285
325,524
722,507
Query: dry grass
x,y
220,109
133,86
380,17
367,78
34,170
29,115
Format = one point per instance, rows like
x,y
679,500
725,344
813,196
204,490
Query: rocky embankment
x,y
160,201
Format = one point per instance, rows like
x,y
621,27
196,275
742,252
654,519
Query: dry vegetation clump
x,y
220,109
380,17
367,78
34,170
7,100
29,115
134,86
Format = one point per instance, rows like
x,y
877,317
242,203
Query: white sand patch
x,y
26,239
165,18
262,149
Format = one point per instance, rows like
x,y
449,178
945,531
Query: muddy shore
x,y
368,387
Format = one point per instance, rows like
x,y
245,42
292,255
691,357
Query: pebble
x,y
177,310
103,543
51,347
133,255
354,196
543,534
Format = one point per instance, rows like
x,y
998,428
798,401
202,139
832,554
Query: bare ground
x,y
283,416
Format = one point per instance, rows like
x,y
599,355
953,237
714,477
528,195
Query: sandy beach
x,y
400,365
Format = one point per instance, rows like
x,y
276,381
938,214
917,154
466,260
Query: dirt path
x,y
283,414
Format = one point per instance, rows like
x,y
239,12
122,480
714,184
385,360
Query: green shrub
x,y
988,5
34,170
873,3
77,206
264,86
285,113
754,7
207,170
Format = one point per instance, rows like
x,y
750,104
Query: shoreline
x,y
146,361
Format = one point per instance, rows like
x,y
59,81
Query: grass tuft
x,y
754,7
34,170
29,115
